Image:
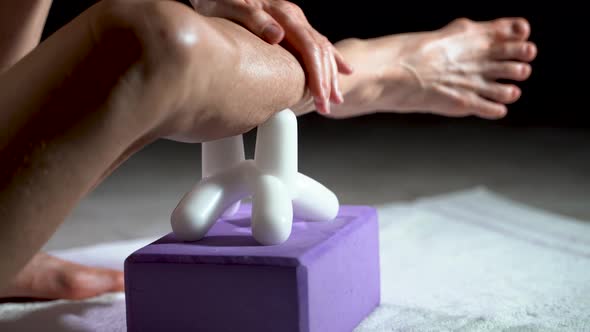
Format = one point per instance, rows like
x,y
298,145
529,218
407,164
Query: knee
x,y
167,32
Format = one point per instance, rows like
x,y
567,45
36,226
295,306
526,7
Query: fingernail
x,y
336,98
320,104
271,33
327,106
350,68
340,96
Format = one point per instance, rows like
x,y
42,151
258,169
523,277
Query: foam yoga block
x,y
324,278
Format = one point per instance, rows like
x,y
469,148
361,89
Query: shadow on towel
x,y
79,316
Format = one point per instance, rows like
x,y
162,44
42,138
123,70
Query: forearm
x,y
21,23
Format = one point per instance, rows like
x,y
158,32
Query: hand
x,y
278,21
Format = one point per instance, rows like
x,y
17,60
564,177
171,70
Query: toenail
x,y
517,27
527,49
532,49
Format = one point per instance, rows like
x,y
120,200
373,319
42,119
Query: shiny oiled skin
x,y
129,71
119,76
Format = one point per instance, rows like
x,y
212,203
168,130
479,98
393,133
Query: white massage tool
x,y
279,192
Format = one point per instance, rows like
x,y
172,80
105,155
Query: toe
x,y
501,93
522,51
509,70
84,282
486,109
466,102
48,277
514,28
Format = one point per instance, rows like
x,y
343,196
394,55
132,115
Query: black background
x,y
555,95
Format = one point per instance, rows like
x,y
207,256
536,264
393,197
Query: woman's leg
x,y
21,24
119,76
453,71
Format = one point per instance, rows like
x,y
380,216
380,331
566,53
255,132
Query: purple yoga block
x,y
324,278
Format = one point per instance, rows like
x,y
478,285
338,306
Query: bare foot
x,y
47,277
454,71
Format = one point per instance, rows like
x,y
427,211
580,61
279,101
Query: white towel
x,y
467,261
473,261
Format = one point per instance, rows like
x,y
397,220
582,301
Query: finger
x,y
314,60
204,7
336,95
323,104
311,54
343,66
254,19
328,79
304,40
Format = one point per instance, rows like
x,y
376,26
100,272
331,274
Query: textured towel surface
x,y
475,261
466,261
